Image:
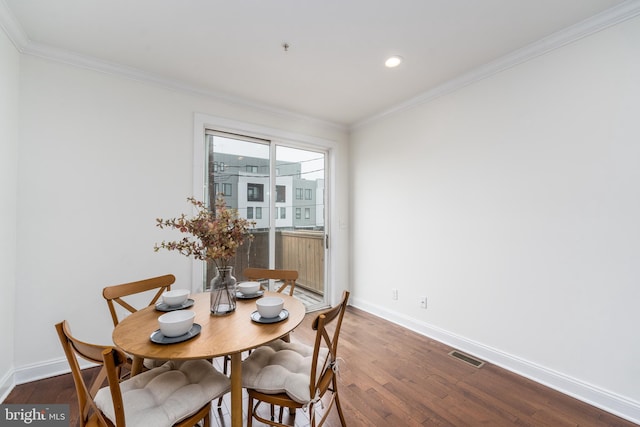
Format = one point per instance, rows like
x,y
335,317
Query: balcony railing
x,y
295,250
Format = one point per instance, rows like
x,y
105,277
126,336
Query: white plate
x,y
158,338
255,316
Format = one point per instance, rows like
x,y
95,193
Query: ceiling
x,y
334,68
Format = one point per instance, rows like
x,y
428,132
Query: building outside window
x,y
283,213
249,212
258,213
226,190
252,169
299,193
307,194
307,213
298,213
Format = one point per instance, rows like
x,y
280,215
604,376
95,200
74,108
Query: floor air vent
x,y
467,359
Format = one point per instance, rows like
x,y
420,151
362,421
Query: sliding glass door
x,y
282,189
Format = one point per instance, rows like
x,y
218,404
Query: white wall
x,y
514,205
102,156
9,102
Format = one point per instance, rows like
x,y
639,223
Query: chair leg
x,y
312,415
250,412
334,399
207,420
340,414
225,363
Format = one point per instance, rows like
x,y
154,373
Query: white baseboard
x,y
605,400
38,371
34,372
6,385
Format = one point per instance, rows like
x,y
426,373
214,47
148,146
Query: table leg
x,y
136,365
236,390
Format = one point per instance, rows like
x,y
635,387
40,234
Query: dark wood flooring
x,y
394,377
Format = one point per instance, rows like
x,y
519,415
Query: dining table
x,y
229,334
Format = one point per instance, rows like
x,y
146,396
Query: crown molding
x,y
25,46
95,64
610,17
12,28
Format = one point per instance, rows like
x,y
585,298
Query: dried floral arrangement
x,y
213,235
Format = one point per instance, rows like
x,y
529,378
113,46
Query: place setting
x,y
248,290
177,299
269,310
177,324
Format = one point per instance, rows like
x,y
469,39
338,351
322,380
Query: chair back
x,y
288,277
89,412
322,378
117,292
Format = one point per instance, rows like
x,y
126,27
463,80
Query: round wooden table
x,y
221,335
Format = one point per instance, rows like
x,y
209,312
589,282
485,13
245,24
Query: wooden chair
x,y
190,395
265,370
115,294
287,277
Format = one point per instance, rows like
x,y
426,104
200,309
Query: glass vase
x,y
223,292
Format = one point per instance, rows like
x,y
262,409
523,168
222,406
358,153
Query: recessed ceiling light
x,y
393,61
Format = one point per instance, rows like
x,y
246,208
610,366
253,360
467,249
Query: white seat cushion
x,y
167,394
282,367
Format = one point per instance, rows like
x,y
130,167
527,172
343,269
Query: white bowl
x,y
248,288
175,297
270,306
176,323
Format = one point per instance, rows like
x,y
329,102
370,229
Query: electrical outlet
x,y
423,302
394,294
